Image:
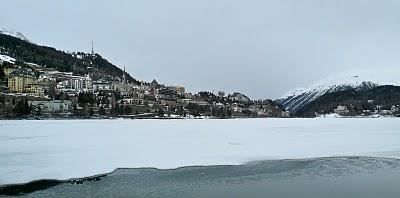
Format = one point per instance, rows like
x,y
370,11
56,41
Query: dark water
x,y
322,177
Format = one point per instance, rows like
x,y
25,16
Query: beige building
x,y
178,89
34,90
21,82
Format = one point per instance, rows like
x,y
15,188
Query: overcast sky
x,y
262,48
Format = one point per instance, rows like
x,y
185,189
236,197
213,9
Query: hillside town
x,y
30,90
40,82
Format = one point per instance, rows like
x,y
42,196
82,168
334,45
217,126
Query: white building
x,y
341,110
52,106
239,97
77,83
102,85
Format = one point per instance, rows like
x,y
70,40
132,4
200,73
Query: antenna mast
x,y
92,48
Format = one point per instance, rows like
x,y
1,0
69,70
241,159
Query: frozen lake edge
x,y
256,178
63,149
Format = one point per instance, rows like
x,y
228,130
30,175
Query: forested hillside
x,y
79,63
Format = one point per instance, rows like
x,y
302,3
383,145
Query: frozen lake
x,y
62,149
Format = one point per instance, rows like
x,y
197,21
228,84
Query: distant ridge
x,y
351,80
14,33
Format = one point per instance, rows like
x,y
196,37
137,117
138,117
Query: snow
x,y
5,58
299,97
380,76
62,149
14,34
295,92
353,78
331,115
33,64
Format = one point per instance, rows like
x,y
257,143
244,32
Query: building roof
x,y
102,82
154,82
22,71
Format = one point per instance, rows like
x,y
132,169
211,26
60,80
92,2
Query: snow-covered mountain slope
x,y
5,58
357,80
14,34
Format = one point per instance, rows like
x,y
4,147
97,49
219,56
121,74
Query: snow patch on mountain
x,y
5,58
14,34
294,92
352,79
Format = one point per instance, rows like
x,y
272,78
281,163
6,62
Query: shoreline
x,y
206,118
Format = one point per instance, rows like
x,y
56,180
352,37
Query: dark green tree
x,y
22,108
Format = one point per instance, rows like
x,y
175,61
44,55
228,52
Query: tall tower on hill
x,y
124,75
92,48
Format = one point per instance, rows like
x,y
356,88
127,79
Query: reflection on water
x,y
322,177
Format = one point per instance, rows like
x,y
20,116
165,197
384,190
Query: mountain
x,y
356,101
366,79
15,45
13,33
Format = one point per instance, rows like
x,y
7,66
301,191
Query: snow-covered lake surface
x,y
63,149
